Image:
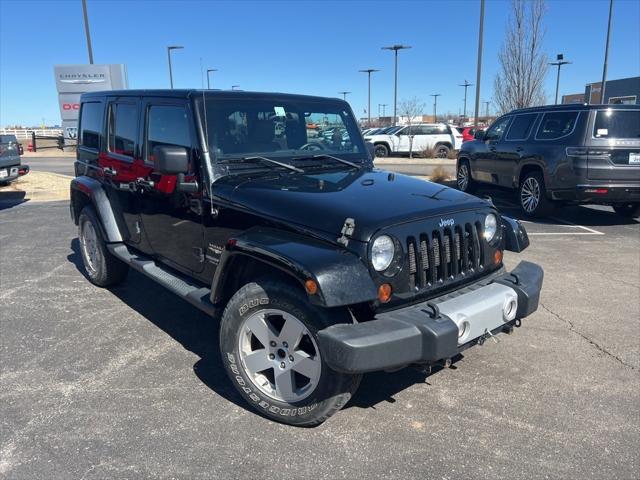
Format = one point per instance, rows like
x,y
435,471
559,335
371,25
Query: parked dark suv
x,y
11,166
318,266
557,155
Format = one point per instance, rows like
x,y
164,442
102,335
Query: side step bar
x,y
196,295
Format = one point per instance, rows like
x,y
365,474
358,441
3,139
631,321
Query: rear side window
x,y
613,123
167,125
556,125
521,127
91,125
123,128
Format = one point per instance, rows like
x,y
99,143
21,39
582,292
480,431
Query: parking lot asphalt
x,y
127,382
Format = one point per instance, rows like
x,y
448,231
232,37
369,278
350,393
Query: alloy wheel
x,y
90,250
530,195
463,177
279,355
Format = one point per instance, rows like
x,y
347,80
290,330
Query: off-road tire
x,y
543,206
464,170
627,210
332,391
442,151
380,150
105,270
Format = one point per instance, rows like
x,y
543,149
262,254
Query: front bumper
x,y
429,332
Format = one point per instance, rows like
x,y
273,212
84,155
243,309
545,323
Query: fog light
x,y
510,309
462,329
384,292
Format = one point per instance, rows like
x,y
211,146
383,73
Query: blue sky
x,y
313,47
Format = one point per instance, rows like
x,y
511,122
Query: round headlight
x,y
382,252
490,227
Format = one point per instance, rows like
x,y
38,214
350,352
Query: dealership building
x,y
623,90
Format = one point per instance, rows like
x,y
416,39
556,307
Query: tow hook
x,y
518,323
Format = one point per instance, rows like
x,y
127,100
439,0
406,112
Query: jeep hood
x,y
322,201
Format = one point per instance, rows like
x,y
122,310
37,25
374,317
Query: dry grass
x,y
428,153
439,174
40,186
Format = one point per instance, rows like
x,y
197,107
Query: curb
x,y
414,161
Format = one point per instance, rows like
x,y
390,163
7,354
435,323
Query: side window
x,y
521,127
497,129
417,130
122,128
167,125
436,130
91,125
556,124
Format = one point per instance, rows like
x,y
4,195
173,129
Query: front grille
x,y
444,255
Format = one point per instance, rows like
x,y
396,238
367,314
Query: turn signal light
x,y
384,292
311,287
497,257
599,191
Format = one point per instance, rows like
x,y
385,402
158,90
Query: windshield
x,y
281,127
613,123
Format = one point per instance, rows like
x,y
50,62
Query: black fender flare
x,y
341,276
97,197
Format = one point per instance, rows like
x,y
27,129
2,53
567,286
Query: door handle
x,y
493,149
519,149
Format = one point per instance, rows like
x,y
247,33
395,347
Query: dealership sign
x,y
74,80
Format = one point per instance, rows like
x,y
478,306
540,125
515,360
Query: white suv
x,y
438,136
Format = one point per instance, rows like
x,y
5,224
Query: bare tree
x,y
410,109
523,64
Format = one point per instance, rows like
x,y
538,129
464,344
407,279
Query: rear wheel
x,y
103,269
269,347
442,151
463,177
532,195
628,210
381,150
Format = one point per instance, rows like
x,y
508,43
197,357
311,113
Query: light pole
x,y
435,106
395,49
173,47
486,111
344,95
369,71
479,71
560,61
464,111
210,70
86,30
606,56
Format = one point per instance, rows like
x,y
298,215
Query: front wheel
x,y
627,210
442,151
269,347
381,150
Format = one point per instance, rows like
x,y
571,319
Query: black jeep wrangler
x,y
320,266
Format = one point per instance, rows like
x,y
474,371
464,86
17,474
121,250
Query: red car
x,y
467,133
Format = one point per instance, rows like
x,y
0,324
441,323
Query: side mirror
x,y
171,160
479,135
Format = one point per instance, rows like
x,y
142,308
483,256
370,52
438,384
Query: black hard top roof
x,y
573,107
189,93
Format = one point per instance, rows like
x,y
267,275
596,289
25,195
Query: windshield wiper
x,y
273,162
337,159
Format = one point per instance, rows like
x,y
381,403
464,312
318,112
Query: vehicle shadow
x,y
11,198
198,333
